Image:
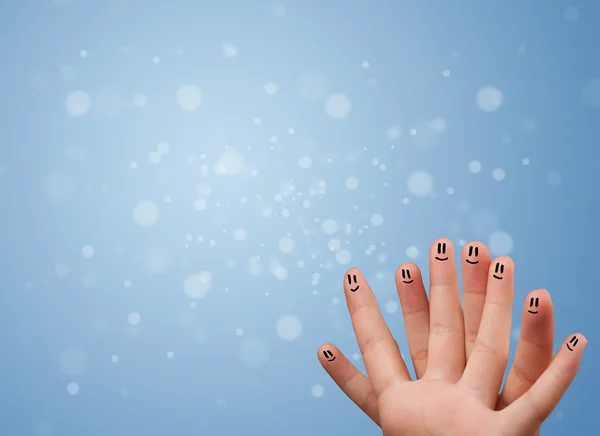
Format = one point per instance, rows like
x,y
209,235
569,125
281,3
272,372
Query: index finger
x,y
380,351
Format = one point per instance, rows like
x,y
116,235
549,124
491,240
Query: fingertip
x,y
407,265
469,248
440,245
408,271
328,353
502,267
353,270
576,342
504,260
538,302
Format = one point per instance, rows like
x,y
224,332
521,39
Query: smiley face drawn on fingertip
x,y
406,276
441,251
328,355
573,343
499,270
350,279
473,252
533,302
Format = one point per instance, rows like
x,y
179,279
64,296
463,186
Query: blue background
x,y
114,325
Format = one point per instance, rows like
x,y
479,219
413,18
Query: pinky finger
x,y
350,380
531,409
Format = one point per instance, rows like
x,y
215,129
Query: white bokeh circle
x,y
196,286
78,103
489,98
338,105
420,183
145,213
289,328
189,97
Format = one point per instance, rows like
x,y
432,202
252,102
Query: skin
x,y
459,351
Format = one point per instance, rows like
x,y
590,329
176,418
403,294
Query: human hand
x,y
459,357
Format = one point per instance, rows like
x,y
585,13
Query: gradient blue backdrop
x,y
183,288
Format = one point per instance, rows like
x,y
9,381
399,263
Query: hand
x,y
459,358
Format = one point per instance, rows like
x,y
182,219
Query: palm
x,y
428,407
459,354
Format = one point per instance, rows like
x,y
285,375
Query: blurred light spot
x,y
516,333
229,50
289,328
61,270
475,166
420,183
334,244
189,97
73,388
139,100
305,162
500,243
145,213
88,251
393,133
114,358
78,103
499,174
437,125
329,226
170,354
554,178
286,245
489,98
239,234
230,163
377,220
352,183
280,273
154,157
163,147
391,306
278,11
343,257
412,252
338,106
200,204
271,88
196,286
134,318
591,93
317,391
571,14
